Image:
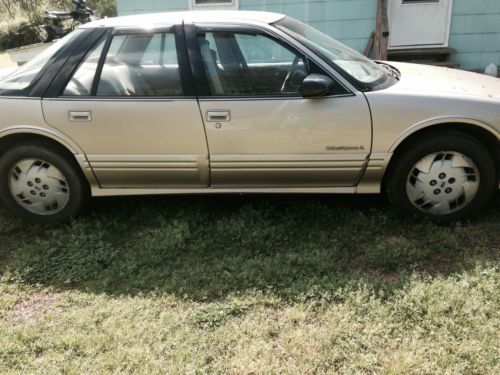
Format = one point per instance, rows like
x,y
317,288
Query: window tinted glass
x,y
251,64
81,82
360,67
141,65
160,51
259,49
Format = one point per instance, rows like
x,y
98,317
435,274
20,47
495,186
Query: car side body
x,y
187,140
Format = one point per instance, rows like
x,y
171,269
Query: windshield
x,y
21,80
362,69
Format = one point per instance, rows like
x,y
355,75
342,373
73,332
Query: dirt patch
x,y
34,307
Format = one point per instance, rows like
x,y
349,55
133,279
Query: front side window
x,y
252,64
23,79
141,65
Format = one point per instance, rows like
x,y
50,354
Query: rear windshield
x,y
20,81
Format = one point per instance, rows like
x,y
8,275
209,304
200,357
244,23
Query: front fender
x,y
442,121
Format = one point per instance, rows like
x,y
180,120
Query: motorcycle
x,y
59,23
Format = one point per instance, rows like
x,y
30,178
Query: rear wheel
x,y
445,177
40,185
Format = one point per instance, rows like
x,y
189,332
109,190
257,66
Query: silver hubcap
x,y
39,187
442,183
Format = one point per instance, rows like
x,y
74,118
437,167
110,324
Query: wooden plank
x,y
445,64
422,51
369,45
381,31
384,44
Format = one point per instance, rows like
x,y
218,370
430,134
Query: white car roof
x,y
170,18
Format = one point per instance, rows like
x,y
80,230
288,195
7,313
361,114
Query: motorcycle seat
x,y
58,13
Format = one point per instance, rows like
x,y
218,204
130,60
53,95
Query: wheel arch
x,y
11,137
482,132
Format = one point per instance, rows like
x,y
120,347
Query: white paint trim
x,y
235,4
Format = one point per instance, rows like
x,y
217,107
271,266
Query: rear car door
x,y
261,131
131,107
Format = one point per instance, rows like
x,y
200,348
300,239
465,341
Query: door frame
x,y
223,165
198,69
70,64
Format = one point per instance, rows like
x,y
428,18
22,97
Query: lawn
x,y
249,284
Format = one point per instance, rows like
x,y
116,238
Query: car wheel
x,y
444,177
40,185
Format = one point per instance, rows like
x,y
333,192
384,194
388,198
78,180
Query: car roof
x,y
170,18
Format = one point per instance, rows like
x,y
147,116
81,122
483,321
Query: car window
x,y
81,81
259,49
160,51
20,81
250,64
141,65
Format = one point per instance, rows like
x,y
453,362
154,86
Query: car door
x,y
131,107
261,131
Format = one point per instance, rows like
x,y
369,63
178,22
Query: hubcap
x,y
442,183
39,187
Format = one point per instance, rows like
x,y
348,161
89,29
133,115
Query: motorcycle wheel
x,y
42,34
48,34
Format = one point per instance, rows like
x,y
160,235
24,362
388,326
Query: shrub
x,y
19,25
18,32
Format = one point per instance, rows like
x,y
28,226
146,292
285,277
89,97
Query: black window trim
x,y
184,70
203,89
59,83
50,73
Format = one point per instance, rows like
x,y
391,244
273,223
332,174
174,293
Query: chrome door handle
x,y
219,116
80,116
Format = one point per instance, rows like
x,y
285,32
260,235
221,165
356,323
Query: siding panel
x,y
475,24
349,21
475,33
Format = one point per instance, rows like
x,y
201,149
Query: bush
x,y
18,33
102,8
19,26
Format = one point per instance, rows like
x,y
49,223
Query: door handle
x,y
219,116
80,116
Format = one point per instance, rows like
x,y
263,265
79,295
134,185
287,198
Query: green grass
x,y
252,284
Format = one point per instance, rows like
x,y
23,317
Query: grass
x,y
252,284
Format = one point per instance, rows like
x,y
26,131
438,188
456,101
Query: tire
x,y
51,34
41,185
444,177
42,34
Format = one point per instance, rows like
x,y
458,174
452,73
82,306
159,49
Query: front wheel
x,y
445,177
41,185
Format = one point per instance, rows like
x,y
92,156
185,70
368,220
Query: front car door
x,y
261,131
137,119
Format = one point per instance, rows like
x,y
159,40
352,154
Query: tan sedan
x,y
240,102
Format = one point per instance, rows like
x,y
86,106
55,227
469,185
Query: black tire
x,y
78,187
432,143
51,34
42,34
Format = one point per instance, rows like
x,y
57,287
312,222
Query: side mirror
x,y
316,85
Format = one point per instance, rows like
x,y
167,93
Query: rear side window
x,y
135,65
141,65
81,82
23,79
